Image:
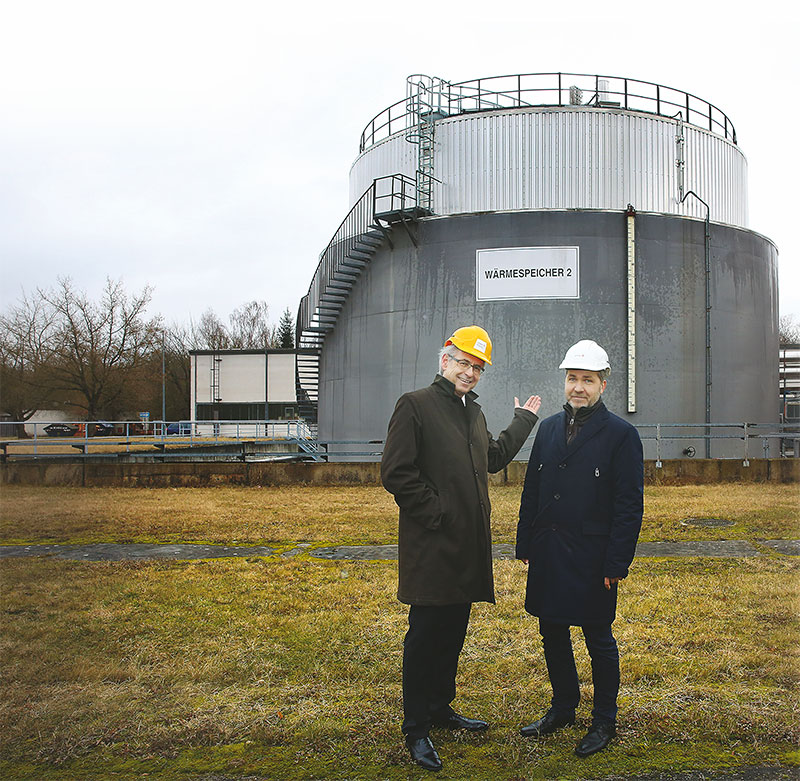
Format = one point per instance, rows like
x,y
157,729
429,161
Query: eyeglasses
x,y
464,364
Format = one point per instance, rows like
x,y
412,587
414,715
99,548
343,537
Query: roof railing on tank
x,y
543,90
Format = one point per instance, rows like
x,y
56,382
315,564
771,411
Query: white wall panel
x,y
201,379
242,378
280,377
568,158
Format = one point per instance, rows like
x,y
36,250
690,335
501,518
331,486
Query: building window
x,y
221,411
282,411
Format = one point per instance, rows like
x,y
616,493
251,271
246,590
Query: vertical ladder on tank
x,y
425,96
426,130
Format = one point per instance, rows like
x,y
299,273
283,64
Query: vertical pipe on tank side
x,y
630,216
708,328
707,253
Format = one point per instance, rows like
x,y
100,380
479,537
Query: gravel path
x,y
144,552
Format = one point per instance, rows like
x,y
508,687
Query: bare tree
x,y
26,335
209,333
173,359
99,347
250,328
788,330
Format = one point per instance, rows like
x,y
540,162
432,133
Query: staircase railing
x,y
356,240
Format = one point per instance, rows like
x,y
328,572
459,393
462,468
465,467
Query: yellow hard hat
x,y
474,340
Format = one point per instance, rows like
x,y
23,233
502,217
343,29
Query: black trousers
x,y
431,648
560,660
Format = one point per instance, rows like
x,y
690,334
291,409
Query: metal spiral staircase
x,y
389,201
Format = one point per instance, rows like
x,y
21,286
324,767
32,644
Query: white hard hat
x,y
586,354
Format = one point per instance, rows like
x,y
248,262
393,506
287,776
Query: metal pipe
x,y
707,253
163,379
630,216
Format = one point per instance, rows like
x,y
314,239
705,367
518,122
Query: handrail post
x,y
658,446
746,460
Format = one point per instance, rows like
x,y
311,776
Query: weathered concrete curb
x,y
105,551
260,473
140,552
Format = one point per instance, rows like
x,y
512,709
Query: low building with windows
x,y
789,383
239,392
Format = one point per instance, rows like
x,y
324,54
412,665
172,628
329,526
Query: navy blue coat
x,y
580,516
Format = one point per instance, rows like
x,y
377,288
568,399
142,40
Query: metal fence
x,y
752,440
540,90
293,440
173,439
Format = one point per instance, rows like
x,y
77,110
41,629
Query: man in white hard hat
x,y
579,520
436,460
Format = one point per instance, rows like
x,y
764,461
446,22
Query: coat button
x,y
562,466
556,496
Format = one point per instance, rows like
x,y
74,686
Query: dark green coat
x,y
436,461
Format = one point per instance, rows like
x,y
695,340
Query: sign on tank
x,y
527,272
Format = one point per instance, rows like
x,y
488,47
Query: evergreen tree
x,y
285,336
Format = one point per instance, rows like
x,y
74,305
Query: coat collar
x,y
443,385
594,424
470,410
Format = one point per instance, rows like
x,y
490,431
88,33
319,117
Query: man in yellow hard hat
x,y
436,461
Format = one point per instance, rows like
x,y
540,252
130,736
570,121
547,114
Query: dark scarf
x,y
576,419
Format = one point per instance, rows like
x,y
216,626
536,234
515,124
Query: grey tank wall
x,y
410,299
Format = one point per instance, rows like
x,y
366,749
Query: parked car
x,y
101,429
60,430
182,428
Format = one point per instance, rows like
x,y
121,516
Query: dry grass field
x,y
290,668
347,515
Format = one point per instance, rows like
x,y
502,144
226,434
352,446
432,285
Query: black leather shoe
x,y
457,721
596,739
550,722
423,753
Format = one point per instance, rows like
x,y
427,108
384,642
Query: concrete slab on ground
x,y
146,552
132,551
786,547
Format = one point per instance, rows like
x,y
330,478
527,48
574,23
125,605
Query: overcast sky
x,y
204,148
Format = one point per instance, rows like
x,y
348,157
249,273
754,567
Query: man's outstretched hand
x,y
532,404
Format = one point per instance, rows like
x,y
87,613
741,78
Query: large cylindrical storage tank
x,y
644,206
